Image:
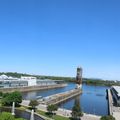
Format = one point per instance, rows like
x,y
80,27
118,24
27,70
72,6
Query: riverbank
x,y
101,82
61,112
32,88
59,117
67,113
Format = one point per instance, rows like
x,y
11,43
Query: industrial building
x,y
116,94
10,82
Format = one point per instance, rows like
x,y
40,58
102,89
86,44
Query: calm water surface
x,y
93,100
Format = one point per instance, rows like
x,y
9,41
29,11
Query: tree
x,y
1,94
33,104
9,98
76,110
52,108
109,117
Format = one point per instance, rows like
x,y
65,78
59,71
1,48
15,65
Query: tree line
x,y
88,81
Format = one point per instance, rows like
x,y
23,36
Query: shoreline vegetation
x,y
88,81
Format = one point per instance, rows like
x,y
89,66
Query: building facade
x,y
24,81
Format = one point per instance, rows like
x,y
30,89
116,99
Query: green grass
x,y
21,108
55,117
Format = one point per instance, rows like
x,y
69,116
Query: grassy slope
x,y
56,117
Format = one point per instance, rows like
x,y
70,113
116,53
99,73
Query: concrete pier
x,y
113,110
110,102
31,88
58,98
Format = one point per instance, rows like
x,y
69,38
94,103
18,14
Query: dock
x,y
113,110
110,102
58,98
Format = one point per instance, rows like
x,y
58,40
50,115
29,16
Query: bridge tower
x,y
79,78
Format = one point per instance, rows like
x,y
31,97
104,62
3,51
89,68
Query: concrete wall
x,y
31,88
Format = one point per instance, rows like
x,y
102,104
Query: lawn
x,y
55,117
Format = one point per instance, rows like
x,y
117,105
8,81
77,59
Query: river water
x,y
92,100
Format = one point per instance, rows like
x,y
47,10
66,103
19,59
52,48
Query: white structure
x,y
10,82
32,81
32,115
13,108
79,86
3,77
116,94
28,78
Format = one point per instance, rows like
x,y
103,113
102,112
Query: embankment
x,y
31,88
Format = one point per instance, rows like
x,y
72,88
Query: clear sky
x,y
53,37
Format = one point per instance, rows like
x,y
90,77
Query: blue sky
x,y
53,37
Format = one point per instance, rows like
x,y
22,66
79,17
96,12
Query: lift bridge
x,y
58,98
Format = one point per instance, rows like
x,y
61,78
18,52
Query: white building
x,y
3,77
24,81
32,81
